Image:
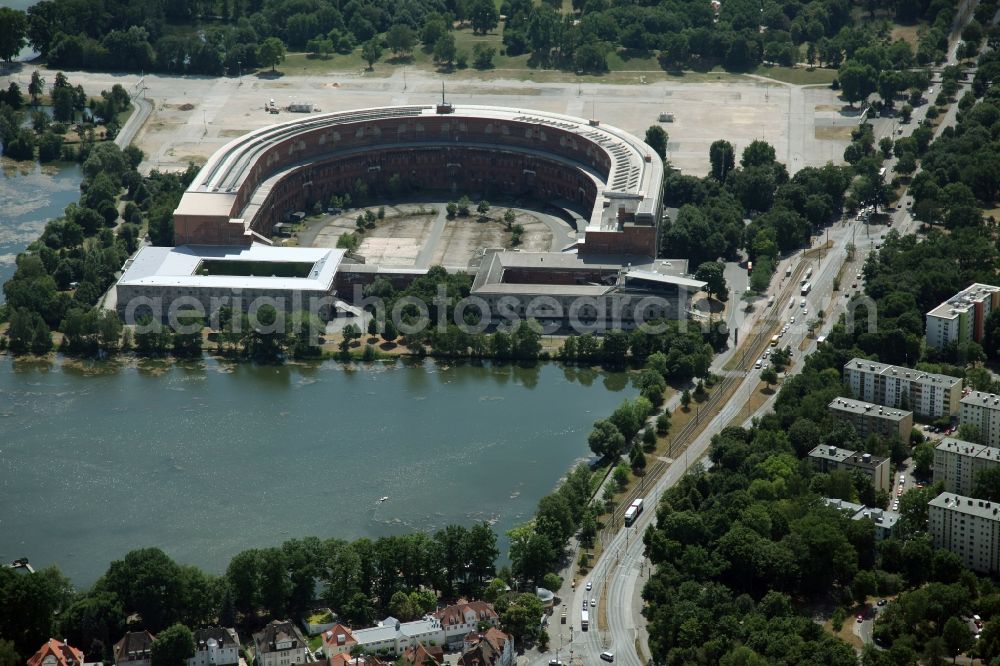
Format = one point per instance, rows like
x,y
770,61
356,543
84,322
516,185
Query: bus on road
x,y
585,621
633,511
806,288
774,340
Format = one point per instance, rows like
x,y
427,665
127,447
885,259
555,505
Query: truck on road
x,y
585,621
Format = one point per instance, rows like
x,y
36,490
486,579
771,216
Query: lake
x,y
30,195
208,459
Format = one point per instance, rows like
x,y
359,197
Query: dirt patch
x,y
187,106
908,33
833,133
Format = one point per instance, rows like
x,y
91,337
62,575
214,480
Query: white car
x,y
792,320
590,586
593,602
758,364
805,312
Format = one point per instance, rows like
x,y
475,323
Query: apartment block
x,y
830,458
929,396
871,419
957,463
962,317
982,410
968,527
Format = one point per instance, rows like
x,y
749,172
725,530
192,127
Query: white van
x,y
608,656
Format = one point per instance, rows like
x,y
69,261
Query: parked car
x,y
882,602
861,618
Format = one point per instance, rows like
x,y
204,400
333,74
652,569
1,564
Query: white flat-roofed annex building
x,y
188,278
394,636
968,527
928,395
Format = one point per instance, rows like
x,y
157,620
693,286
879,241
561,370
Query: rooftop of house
x,y
846,405
901,372
419,655
843,505
846,456
338,635
455,613
881,517
484,649
64,653
208,637
969,506
279,635
134,646
963,300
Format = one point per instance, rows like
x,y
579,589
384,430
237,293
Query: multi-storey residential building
x,y
459,619
885,521
957,463
982,411
134,649
215,646
968,527
962,317
870,419
927,395
56,653
830,458
280,643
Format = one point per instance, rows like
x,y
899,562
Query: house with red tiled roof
x,y
421,655
337,640
460,618
56,653
134,649
490,648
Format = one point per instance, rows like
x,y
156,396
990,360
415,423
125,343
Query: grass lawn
x,y
623,66
796,75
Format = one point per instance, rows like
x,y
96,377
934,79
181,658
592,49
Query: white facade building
x,y
929,396
281,643
982,411
459,619
968,527
394,636
962,317
215,646
957,463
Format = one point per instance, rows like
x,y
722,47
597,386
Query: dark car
x,y
881,602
